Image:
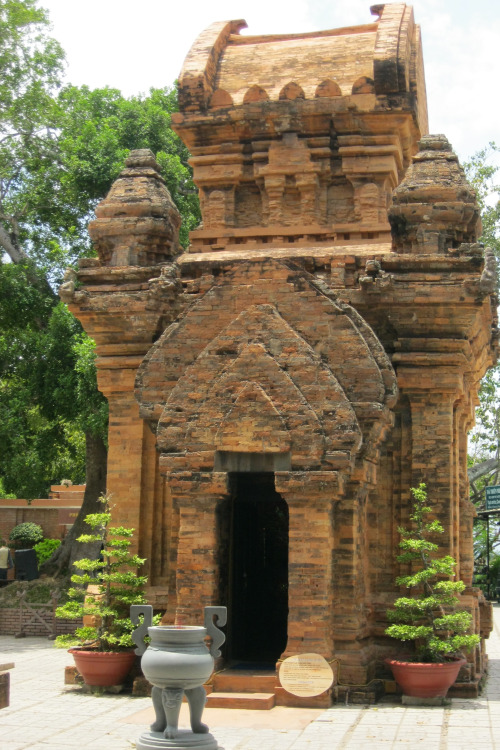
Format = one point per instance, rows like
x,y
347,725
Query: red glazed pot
x,y
103,668
422,680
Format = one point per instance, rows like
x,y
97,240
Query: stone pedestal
x,y
186,739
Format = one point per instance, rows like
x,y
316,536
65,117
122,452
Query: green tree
x,y
45,206
48,391
100,128
482,173
428,617
60,150
484,444
116,575
31,64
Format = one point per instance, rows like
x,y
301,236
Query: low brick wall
x,y
10,623
55,514
47,518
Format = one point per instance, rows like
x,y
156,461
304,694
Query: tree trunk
x,y
70,550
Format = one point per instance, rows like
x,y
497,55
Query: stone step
x,y
252,701
245,681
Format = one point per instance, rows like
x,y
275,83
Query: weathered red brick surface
x,y
329,323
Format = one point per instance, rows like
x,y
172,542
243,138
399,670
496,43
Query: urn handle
x,y
217,636
140,633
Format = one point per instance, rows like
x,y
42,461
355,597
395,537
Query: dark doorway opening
x,y
258,571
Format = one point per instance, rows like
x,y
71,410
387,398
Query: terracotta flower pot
x,y
103,668
425,680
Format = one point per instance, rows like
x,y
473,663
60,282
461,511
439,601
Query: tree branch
x,y
16,254
483,468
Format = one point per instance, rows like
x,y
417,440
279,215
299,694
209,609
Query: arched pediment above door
x,y
257,387
274,357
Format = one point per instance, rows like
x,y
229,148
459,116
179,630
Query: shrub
x,y
26,535
45,549
115,576
428,616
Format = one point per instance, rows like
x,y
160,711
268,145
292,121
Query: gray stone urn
x,y
177,662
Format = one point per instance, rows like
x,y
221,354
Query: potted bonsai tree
x,y
105,588
428,618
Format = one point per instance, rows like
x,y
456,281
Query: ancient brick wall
x,y
328,327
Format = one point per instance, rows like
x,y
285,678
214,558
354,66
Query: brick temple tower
x,y
276,389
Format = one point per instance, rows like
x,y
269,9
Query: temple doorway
x,y
258,571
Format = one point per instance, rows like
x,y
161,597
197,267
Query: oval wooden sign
x,y
306,675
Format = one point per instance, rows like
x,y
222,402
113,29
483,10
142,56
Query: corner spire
x,y
434,209
137,224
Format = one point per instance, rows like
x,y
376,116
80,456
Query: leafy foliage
x,y
48,388
48,384
31,64
115,574
26,535
60,150
45,549
481,172
484,444
429,617
98,129
4,494
47,208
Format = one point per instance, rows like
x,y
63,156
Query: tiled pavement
x,y
46,715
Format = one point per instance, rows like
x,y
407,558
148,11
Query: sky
x,y
134,45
